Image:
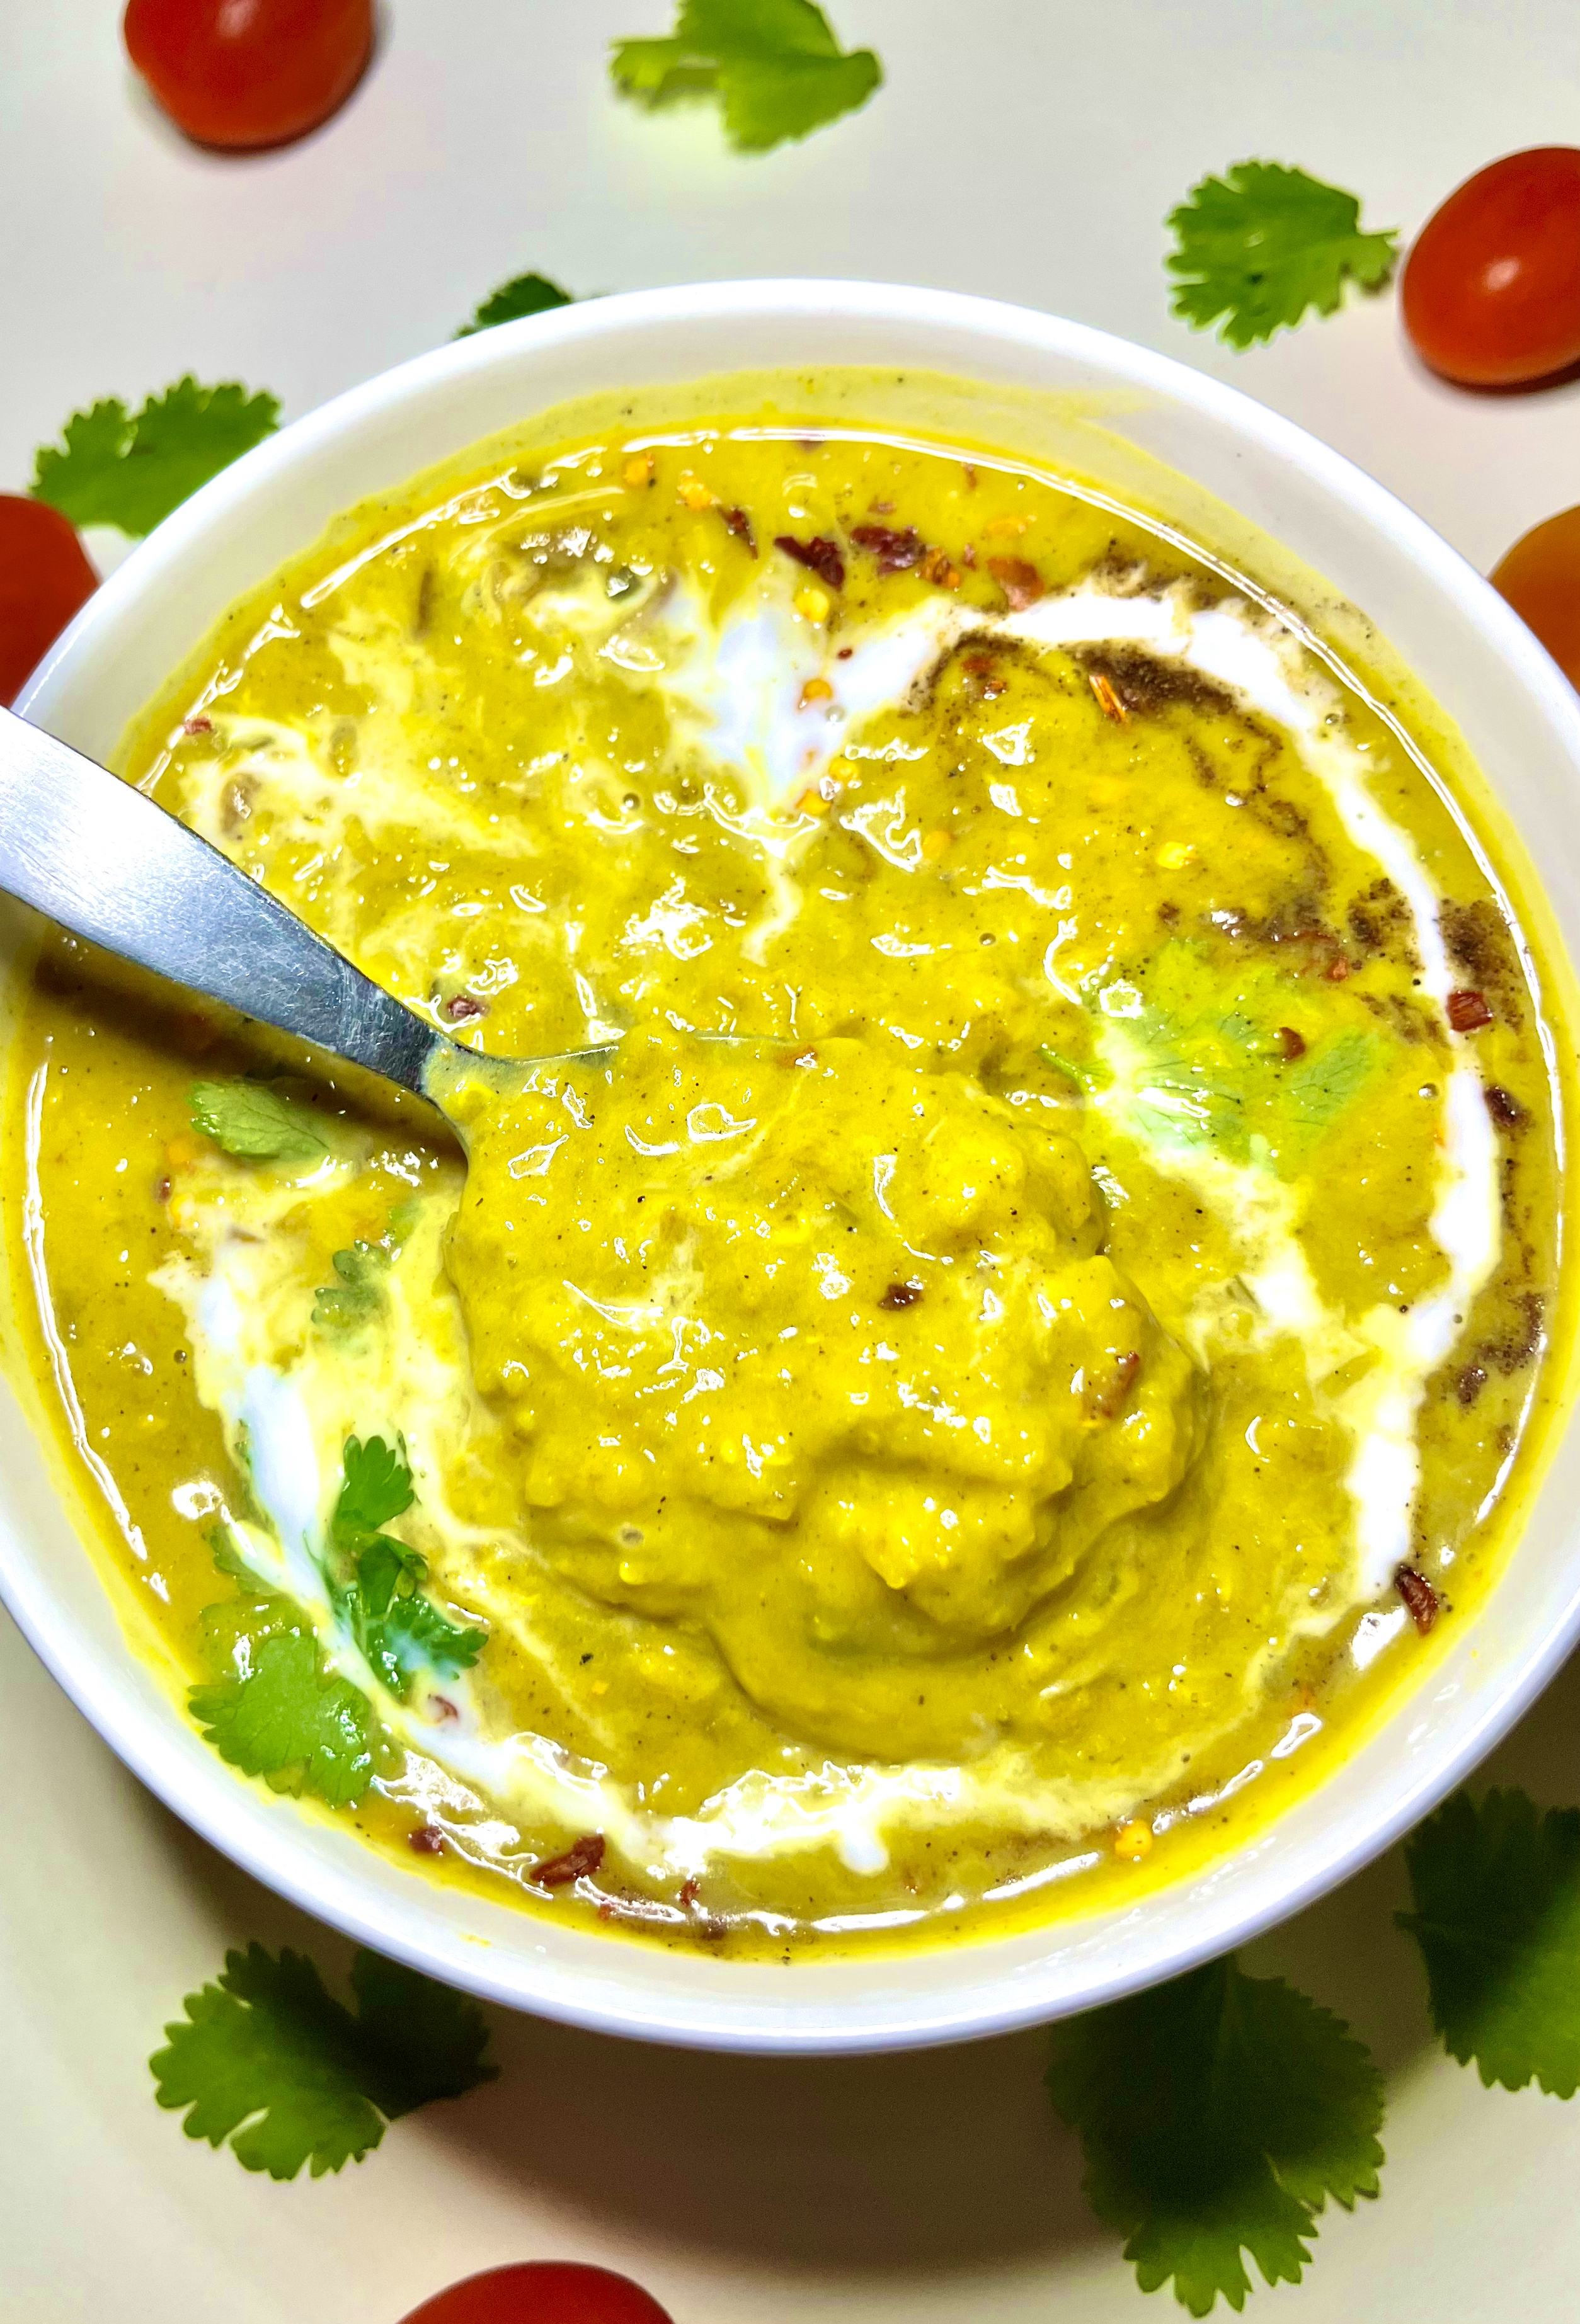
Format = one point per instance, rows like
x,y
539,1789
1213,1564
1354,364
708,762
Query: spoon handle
x,y
111,865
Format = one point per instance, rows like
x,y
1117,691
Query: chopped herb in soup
x,y
1035,1283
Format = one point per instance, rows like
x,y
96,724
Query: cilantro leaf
x,y
775,65
1218,2114
267,2048
1085,1076
1263,243
1201,1062
377,1486
283,1714
1497,1897
1329,1078
227,1552
524,294
358,1294
132,469
254,1121
384,1563
377,1590
420,2041
413,1635
267,2059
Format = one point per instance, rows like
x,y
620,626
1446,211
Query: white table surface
x,y
1026,150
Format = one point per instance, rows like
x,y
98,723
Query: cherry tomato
x,y
542,2291
44,577
1540,577
1491,287
249,72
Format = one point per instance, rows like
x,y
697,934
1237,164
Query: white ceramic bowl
x,y
1519,717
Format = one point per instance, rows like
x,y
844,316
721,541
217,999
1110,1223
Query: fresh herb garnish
x,y
775,67
375,1579
282,1712
131,469
254,1121
375,1486
1497,1916
227,1555
266,2058
1201,1061
1218,2114
524,294
358,1294
1085,1076
1329,1078
1263,243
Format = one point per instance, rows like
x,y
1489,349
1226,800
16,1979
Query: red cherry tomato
x,y
249,72
1491,287
44,577
542,2291
1540,577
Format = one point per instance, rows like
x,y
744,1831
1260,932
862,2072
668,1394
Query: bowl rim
x,y
266,1838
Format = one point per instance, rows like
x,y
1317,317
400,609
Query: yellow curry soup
x,y
985,1434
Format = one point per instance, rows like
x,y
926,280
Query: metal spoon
x,y
113,866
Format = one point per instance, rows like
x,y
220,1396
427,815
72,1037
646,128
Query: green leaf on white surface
x,y
1217,2115
267,2059
775,67
130,469
1496,1888
524,294
1263,245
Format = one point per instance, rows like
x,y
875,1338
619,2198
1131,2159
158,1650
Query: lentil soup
x,y
977,1439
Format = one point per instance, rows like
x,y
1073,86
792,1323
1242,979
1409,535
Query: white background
x,y
1027,149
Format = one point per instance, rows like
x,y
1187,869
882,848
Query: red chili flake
x,y
1021,582
1108,702
1291,1043
1418,1596
161,1192
968,555
896,550
1468,1011
969,473
460,1006
738,523
985,670
1103,1402
936,568
1503,1106
689,1890
1337,970
902,1295
199,725
441,1704
819,554
426,1841
845,653
581,1859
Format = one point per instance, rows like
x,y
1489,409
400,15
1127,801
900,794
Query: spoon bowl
x,y
112,866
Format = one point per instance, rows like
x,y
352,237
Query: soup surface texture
x,y
847,1479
